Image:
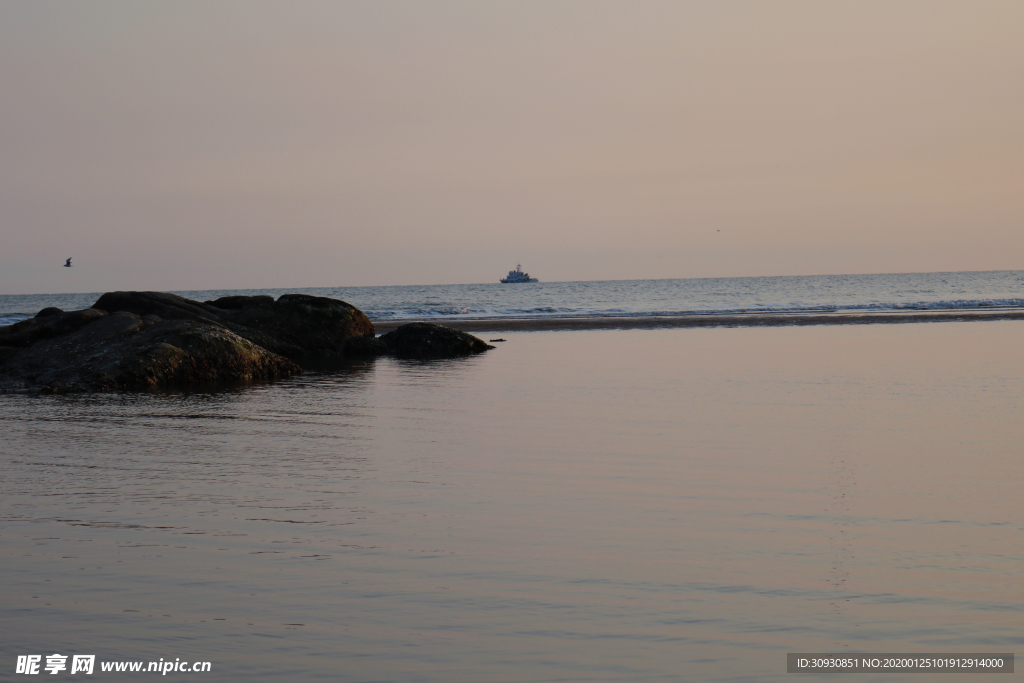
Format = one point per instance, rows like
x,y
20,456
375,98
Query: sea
x,y
614,298
586,505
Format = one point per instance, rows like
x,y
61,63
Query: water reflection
x,y
707,502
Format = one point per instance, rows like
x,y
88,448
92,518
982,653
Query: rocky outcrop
x,y
309,330
428,341
123,350
368,346
48,323
153,340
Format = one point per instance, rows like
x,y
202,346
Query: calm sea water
x,y
642,505
632,297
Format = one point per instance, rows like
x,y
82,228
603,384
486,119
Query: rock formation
x,y
309,330
427,340
153,340
92,350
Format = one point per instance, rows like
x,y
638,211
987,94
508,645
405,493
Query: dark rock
x,y
153,340
427,340
365,347
28,332
235,302
7,352
123,351
306,329
167,306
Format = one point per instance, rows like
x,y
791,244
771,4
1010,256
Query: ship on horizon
x,y
518,275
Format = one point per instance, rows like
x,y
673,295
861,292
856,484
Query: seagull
x,y
68,264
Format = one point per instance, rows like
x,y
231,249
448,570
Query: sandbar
x,y
755,319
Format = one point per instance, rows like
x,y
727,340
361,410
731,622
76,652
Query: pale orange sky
x,y
195,145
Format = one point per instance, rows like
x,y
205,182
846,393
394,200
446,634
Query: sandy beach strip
x,y
714,320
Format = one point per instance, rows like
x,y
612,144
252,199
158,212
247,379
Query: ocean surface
x,y
612,505
885,292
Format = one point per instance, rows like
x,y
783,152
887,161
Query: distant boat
x,y
518,275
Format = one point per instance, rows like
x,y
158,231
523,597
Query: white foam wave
x,y
442,312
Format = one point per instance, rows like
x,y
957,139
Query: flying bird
x,y
68,264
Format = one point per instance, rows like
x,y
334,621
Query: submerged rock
x,y
427,340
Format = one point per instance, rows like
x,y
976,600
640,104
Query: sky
x,y
238,145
